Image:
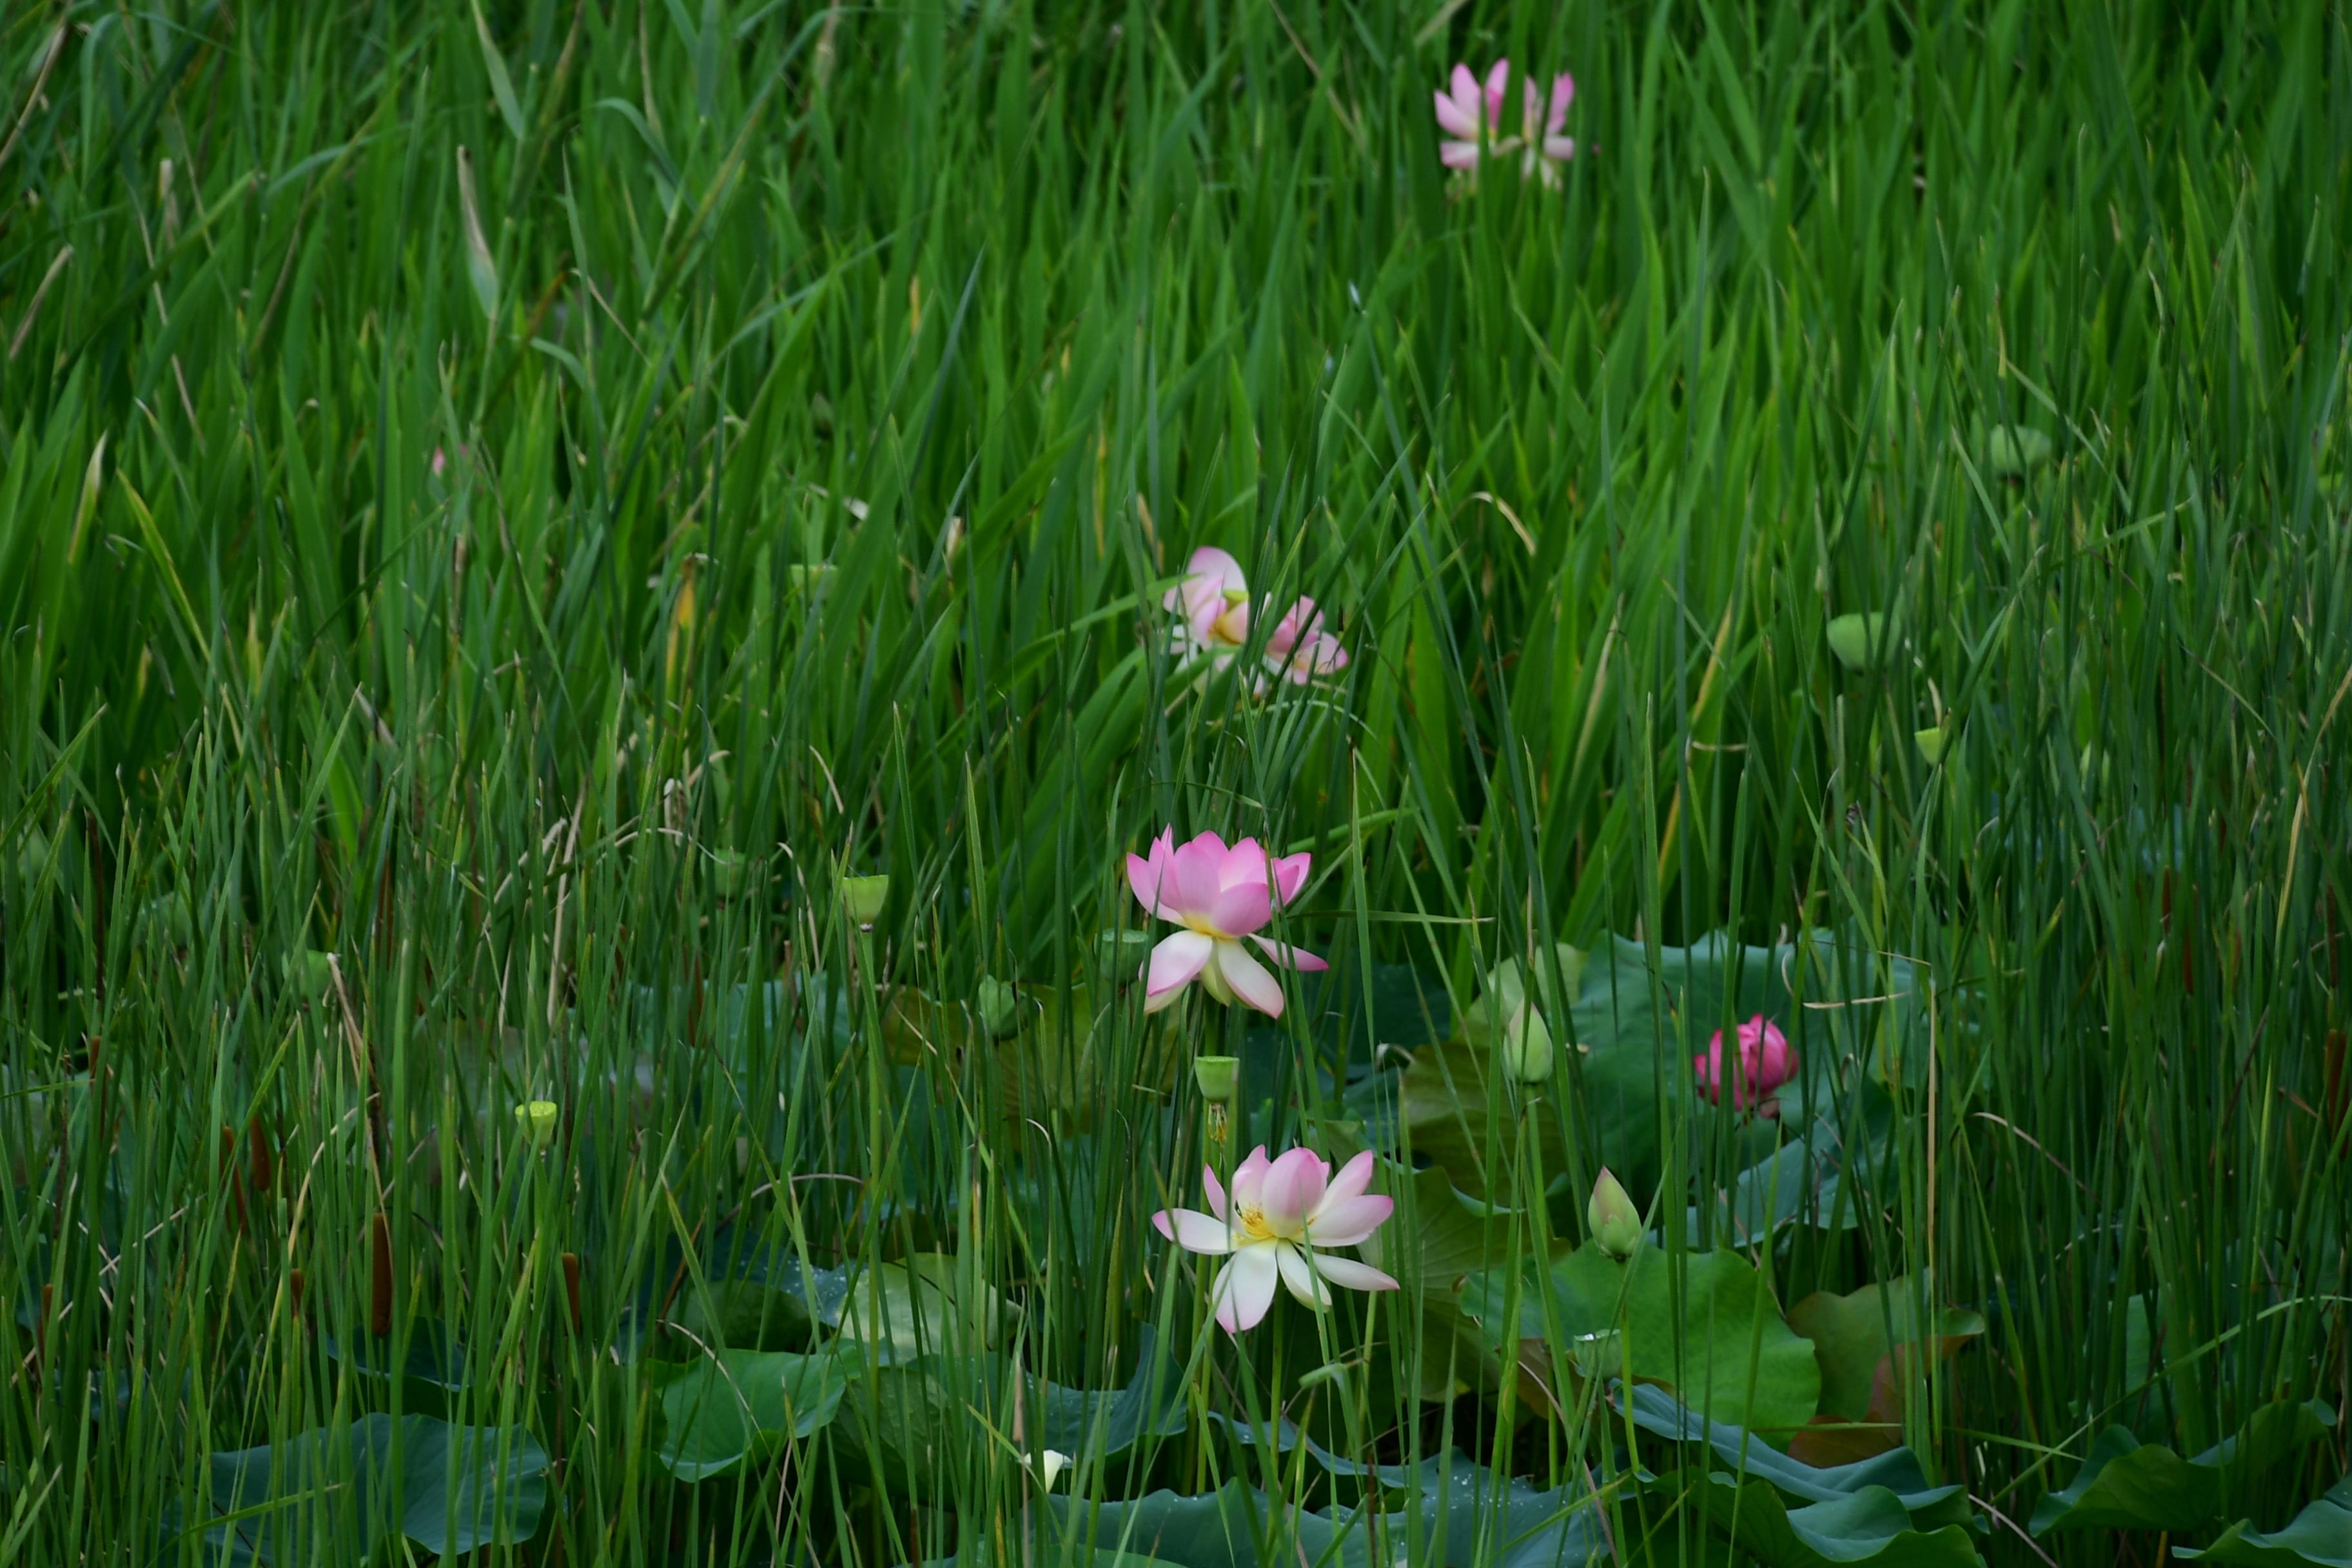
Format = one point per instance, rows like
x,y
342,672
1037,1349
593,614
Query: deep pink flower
x,y
1282,1210
1765,1061
1219,896
1299,649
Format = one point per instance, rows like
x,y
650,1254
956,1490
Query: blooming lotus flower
x,y
1282,1210
1219,896
1470,112
1298,648
1766,1061
1213,599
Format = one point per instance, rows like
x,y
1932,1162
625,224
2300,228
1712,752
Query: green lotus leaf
x,y
1862,1341
737,1407
1867,1526
1897,1470
2321,1535
905,1309
2125,1484
320,1495
1702,1323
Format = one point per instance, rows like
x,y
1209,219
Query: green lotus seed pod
x,y
536,1118
1217,1077
1863,642
1615,1223
862,899
2015,449
1000,1008
1598,1356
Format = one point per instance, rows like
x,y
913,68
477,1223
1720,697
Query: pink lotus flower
x,y
1282,1210
1214,605
1766,1060
1219,896
1471,114
1299,649
1213,599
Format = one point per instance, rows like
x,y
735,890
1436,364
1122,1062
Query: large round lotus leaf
x,y
735,1407
1869,1527
2321,1535
1852,1334
904,1309
336,1490
1703,1324
1866,1343
1435,1244
2125,1484
1461,1115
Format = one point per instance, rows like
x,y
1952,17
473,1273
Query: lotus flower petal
x,y
1299,1274
1248,979
1243,1288
1349,1220
1194,1231
1350,1275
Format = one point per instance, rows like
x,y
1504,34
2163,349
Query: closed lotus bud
x,y
2014,450
536,1118
1526,1048
1616,1224
312,974
1000,1008
33,860
1863,642
1216,1077
862,899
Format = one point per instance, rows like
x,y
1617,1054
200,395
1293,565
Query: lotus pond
x,y
1283,783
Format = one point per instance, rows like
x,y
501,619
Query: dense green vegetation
x,y
505,505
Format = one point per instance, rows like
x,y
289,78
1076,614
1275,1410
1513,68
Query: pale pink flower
x,y
1281,1211
1470,113
1298,648
1765,1061
1220,896
1213,600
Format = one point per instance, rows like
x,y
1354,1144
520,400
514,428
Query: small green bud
x,y
862,899
1615,1223
1000,1008
1864,642
2014,449
1931,743
537,1119
311,973
33,860
1526,1048
1216,1077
